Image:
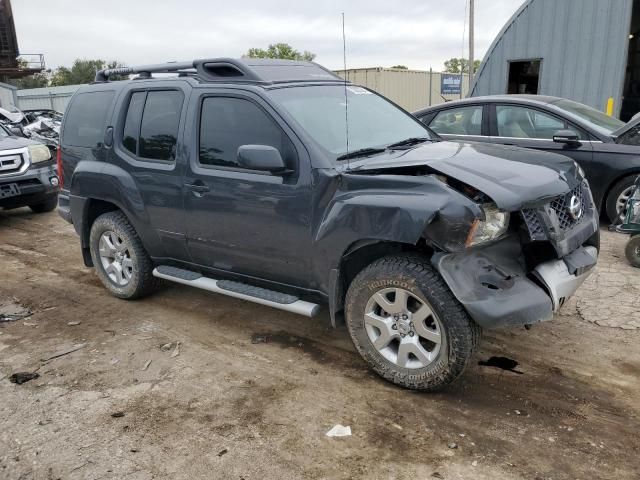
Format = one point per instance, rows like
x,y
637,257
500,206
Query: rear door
x,y
243,221
148,146
531,127
462,122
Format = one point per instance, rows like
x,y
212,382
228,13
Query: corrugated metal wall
x,y
583,45
55,98
7,96
411,89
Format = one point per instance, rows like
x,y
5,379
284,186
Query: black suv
x,y
279,183
28,175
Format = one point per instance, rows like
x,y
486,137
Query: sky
x,y
417,33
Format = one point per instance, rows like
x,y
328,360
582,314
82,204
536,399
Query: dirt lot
x,y
222,406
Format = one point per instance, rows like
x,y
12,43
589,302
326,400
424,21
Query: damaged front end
x,y
548,251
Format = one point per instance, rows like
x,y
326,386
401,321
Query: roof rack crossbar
x,y
170,67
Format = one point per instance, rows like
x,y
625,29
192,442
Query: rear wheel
x,y
120,260
407,325
617,199
632,251
48,205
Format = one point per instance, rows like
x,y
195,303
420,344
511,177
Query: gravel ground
x,y
187,384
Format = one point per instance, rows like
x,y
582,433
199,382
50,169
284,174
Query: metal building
x,y
411,89
584,50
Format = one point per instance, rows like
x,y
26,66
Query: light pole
x,y
471,41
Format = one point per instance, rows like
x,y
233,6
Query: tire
x,y
458,337
616,194
632,251
122,251
48,205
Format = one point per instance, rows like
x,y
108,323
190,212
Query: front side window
x,y
152,122
522,122
458,121
331,113
596,118
85,122
227,123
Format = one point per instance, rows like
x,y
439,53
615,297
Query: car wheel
x,y
407,325
120,260
632,251
617,200
48,205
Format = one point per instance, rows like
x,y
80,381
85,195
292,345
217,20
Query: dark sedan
x,y
606,148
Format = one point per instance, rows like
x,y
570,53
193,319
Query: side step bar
x,y
243,291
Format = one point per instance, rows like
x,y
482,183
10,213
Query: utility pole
x,y
471,41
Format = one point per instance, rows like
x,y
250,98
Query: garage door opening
x,y
631,95
524,77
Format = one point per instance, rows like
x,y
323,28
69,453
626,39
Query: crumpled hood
x,y
513,177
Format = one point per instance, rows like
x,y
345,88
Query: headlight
x,y
494,226
39,153
580,170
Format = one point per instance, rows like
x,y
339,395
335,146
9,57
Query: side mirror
x,y
568,137
262,158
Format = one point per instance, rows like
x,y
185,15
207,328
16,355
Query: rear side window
x,y
85,121
151,125
227,123
458,121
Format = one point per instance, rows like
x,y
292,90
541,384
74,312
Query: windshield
x,y
603,122
373,122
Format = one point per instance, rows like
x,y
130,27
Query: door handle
x,y
197,187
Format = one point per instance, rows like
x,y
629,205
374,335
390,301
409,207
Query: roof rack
x,y
266,71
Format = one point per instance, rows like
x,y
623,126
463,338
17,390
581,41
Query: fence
x,y
411,89
55,98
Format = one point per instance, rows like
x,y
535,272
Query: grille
x,y
10,164
533,224
561,207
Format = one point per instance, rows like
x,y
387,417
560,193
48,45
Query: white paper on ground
x,y
339,431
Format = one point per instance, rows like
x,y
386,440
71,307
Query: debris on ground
x,y
176,351
12,311
339,431
23,377
166,347
146,365
64,351
453,445
259,338
117,414
222,452
73,324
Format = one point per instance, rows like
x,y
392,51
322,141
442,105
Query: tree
x,y
280,50
460,65
400,67
82,71
36,80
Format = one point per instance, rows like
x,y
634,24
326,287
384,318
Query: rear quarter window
x,y
86,118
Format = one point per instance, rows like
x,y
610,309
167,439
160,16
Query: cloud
x,y
416,33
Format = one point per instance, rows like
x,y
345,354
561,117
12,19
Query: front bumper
x,y
35,185
497,291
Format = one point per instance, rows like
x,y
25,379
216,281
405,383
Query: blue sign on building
x,y
450,84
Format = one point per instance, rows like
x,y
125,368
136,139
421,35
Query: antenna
x,y
346,99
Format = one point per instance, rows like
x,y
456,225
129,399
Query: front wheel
x,y
407,325
48,205
632,251
616,204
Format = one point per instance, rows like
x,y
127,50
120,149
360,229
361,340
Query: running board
x,y
270,298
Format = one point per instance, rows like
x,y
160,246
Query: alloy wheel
x,y
115,258
403,328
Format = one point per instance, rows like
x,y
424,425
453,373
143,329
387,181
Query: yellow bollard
x,y
610,107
